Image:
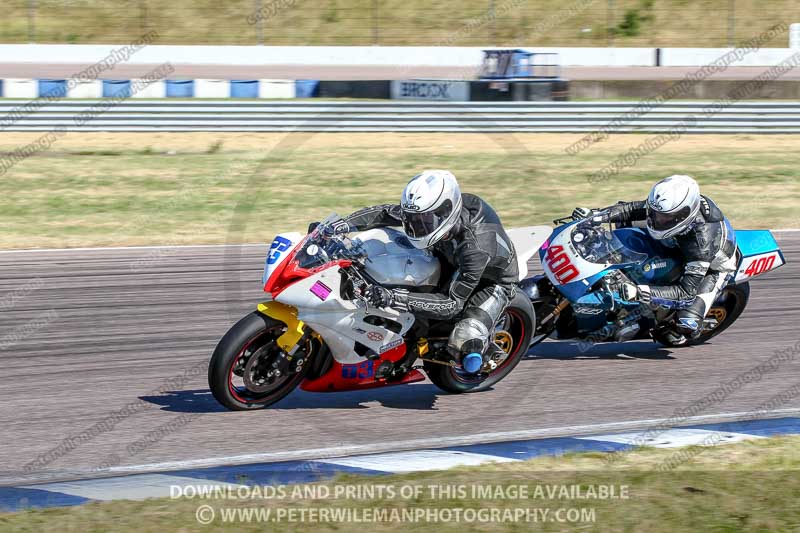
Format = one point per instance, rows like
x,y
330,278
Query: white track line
x,y
155,247
440,442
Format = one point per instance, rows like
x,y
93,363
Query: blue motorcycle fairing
x,y
574,290
755,242
663,265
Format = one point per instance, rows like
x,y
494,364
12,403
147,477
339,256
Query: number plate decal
x,y
320,290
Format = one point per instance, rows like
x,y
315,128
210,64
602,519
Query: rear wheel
x,y
512,335
248,370
728,306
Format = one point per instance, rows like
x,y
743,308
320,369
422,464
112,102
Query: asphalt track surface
x,y
85,333
345,72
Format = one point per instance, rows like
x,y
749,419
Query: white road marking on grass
x,y
417,461
442,442
129,487
675,438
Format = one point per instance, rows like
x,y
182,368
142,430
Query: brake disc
x,y
257,367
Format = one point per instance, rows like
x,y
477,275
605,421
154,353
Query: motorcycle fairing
x,y
341,322
662,266
359,376
759,253
279,251
588,273
526,242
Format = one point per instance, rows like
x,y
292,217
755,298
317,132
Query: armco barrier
x,y
196,115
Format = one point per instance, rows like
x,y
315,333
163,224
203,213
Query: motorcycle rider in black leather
x,y
678,216
465,233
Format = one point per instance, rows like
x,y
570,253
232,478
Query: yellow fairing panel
x,y
288,315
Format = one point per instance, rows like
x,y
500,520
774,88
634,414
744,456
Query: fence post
x,y
32,21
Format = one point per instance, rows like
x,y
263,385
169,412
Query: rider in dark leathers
x,y
480,252
707,243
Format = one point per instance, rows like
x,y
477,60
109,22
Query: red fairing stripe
x,y
290,271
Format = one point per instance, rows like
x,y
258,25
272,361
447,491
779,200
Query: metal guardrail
x,y
194,115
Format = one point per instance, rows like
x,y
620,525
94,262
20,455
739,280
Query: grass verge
x,y
748,486
101,189
396,22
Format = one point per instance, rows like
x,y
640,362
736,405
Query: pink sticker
x,y
320,290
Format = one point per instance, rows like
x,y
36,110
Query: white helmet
x,y
672,206
431,206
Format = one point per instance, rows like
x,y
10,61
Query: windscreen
x,y
317,249
598,244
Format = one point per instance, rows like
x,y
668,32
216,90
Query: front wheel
x,y
248,370
512,334
728,306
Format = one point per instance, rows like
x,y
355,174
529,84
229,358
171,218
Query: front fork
x,y
295,339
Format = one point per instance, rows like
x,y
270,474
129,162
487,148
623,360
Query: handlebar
x,y
564,220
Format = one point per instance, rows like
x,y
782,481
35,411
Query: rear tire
x,y
454,380
252,333
732,301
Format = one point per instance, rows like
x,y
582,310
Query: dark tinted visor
x,y
418,225
663,221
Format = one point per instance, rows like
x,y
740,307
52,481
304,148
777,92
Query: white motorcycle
x,y
317,331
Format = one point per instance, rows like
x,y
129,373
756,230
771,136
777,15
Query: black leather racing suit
x,y
708,247
485,264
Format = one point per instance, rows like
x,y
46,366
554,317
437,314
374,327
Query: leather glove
x,y
628,291
595,217
580,213
378,296
631,292
337,227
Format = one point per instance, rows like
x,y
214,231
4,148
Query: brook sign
x,y
440,90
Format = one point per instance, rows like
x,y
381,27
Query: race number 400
x,y
559,264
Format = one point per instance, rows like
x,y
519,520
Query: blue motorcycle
x,y
576,297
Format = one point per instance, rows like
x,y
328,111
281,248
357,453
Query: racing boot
x,y
669,336
675,338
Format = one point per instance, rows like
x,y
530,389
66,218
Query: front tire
x,y
521,320
252,336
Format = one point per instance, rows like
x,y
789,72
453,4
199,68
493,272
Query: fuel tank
x,y
394,262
